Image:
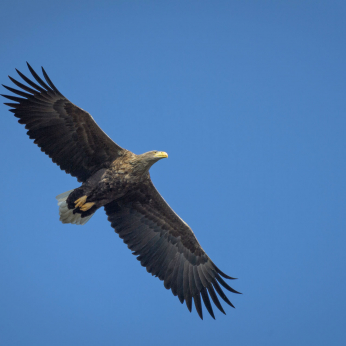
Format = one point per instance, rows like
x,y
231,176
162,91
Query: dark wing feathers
x,y
198,305
167,247
65,132
50,82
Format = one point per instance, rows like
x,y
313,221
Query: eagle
x,y
119,181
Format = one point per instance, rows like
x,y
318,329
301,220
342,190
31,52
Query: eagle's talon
x,y
80,201
86,206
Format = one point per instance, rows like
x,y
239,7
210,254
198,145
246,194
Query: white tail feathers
x,y
66,214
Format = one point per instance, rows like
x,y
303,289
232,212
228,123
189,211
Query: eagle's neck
x,y
141,168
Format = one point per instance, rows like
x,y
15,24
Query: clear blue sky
x,y
248,99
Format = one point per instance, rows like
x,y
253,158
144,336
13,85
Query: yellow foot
x,y
80,201
86,206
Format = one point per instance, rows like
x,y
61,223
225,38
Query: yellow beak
x,y
161,154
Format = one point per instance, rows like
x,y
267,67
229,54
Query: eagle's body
x,y
119,181
126,175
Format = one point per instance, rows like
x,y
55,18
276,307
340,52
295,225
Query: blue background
x,y
248,99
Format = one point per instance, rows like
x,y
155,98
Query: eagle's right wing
x,y
168,248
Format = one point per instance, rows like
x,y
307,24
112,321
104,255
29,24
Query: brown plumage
x,y
119,181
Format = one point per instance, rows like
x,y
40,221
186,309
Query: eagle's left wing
x,y
168,248
66,133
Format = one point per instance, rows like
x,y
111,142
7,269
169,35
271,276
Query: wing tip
x,y
223,274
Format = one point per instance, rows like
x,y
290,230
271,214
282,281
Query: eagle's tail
x,y
66,214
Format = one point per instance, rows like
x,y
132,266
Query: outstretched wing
x,y
168,248
66,133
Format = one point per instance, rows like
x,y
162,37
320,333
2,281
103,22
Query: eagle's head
x,y
143,162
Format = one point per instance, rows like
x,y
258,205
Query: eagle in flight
x,y
119,181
